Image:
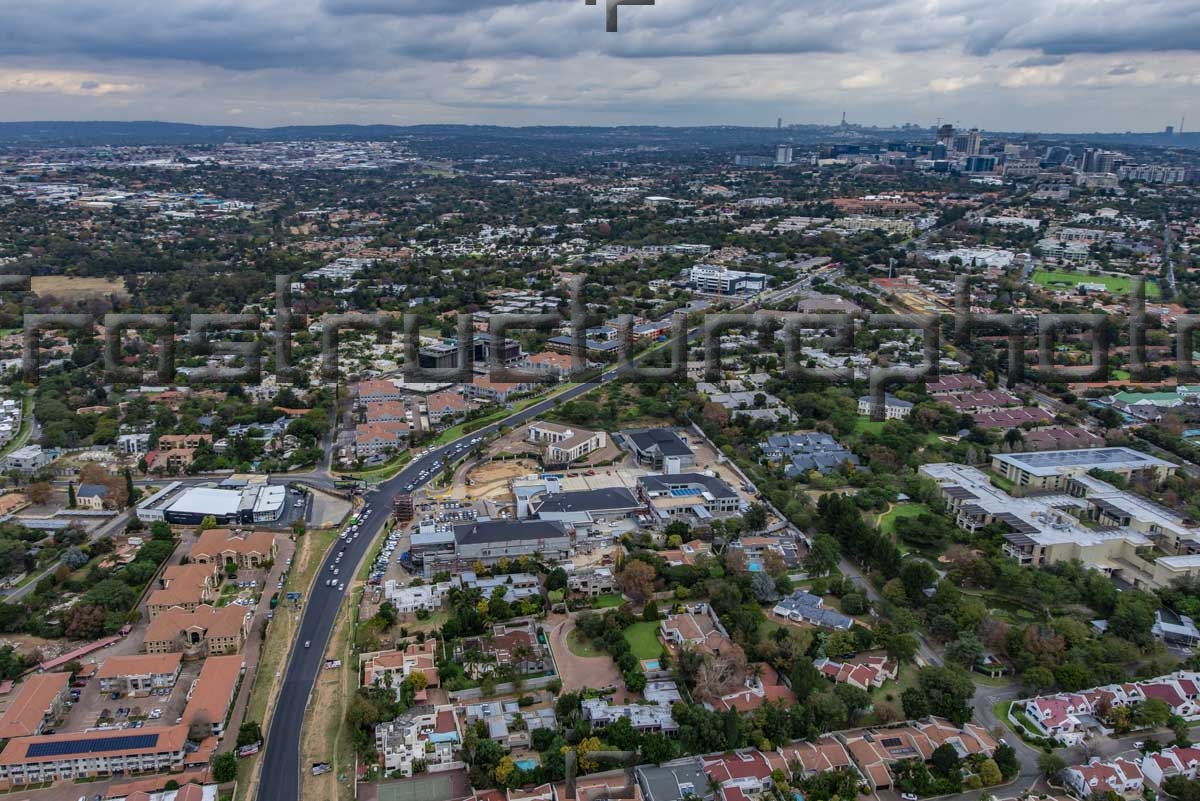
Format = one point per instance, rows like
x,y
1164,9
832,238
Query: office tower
x,y
783,154
974,141
946,135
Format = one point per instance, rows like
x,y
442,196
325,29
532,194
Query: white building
x,y
719,280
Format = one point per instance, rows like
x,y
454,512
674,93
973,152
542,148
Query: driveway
x,y
578,672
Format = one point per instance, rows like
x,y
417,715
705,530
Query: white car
x,y
309,642
341,588
908,796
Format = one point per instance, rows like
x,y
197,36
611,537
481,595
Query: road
x,y
281,759
281,767
109,527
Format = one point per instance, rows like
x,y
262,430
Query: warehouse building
x,y
184,506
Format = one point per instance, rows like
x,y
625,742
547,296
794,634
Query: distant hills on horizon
x,y
114,133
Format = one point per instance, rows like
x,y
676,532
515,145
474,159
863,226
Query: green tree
x,y
1051,764
989,773
1007,762
224,767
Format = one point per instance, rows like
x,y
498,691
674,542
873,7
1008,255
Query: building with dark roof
x,y
588,506
807,452
488,541
653,446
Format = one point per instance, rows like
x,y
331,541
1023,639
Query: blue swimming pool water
x,y
651,664
526,764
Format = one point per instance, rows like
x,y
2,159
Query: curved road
x,y
281,762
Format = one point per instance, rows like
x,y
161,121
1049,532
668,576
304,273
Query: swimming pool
x,y
526,764
754,567
651,664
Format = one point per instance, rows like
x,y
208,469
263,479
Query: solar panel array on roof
x,y
61,748
891,742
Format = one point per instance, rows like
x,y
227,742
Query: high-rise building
x,y
783,154
1105,162
974,142
981,164
946,136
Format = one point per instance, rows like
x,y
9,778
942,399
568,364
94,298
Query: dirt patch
x,y
578,672
489,481
63,286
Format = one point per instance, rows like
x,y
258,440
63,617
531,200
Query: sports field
x,y
1116,284
431,787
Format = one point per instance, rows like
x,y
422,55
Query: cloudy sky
x,y
1061,65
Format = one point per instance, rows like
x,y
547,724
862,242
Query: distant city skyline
x,y
1067,67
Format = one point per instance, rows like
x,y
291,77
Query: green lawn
x,y
607,601
887,521
865,425
1116,284
643,640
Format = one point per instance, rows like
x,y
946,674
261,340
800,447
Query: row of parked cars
x,y
385,556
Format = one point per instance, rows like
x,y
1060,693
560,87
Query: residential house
x,y
804,607
655,446
592,582
421,738
512,644
1172,761
1120,776
893,407
391,668
91,496
866,674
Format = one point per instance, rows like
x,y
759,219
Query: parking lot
x,y
95,709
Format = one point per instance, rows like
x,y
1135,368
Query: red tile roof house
x,y
1169,762
865,674
811,758
1120,776
875,750
739,774
1055,716
767,686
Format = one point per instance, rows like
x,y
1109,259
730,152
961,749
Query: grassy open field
x,y
643,640
63,286
1068,278
865,425
887,521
